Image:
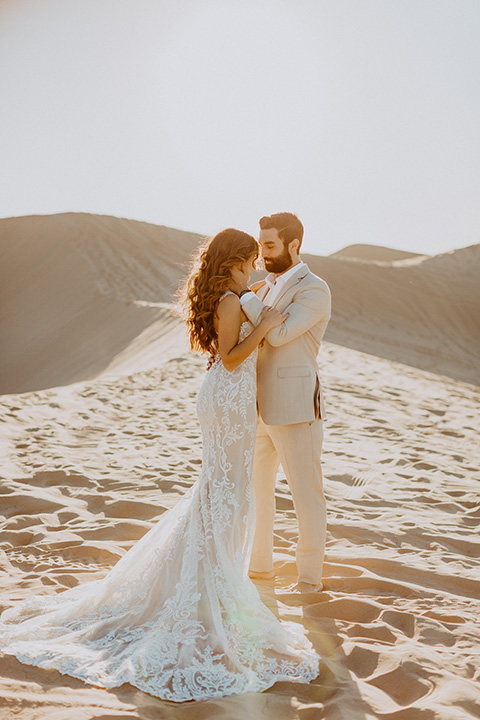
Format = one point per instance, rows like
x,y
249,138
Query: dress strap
x,y
229,292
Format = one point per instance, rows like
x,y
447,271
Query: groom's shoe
x,y
256,575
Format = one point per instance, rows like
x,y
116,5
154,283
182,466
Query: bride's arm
x,y
229,319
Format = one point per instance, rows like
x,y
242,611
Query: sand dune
x,y
104,438
83,294
375,253
69,290
422,311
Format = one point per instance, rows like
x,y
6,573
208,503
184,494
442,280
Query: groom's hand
x,y
270,317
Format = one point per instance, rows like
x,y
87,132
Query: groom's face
x,y
275,255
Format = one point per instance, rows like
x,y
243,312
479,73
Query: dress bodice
x,y
245,330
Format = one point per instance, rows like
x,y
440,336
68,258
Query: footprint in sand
x,y
347,609
362,661
405,622
404,685
372,632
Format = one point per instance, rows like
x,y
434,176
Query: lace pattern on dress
x,y
177,616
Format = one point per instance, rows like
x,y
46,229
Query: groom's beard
x,y
278,264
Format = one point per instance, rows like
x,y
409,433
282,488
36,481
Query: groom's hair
x,y
286,224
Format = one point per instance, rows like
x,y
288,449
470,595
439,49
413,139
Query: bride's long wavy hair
x,y
208,280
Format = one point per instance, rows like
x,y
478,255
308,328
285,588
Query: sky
x,y
362,116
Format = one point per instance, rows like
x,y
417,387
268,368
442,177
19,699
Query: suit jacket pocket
x,y
298,371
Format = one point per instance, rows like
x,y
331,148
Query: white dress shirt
x,y
275,284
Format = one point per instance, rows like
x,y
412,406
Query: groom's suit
x,y
290,425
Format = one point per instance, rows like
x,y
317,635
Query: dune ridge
x,y
375,253
78,290
423,311
69,290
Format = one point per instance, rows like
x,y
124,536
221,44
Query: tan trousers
x,y
297,448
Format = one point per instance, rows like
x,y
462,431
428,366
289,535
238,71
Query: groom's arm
x,y
309,307
252,306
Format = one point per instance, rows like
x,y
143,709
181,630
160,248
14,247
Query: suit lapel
x,y
291,282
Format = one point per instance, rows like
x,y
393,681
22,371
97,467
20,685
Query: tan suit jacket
x,y
288,384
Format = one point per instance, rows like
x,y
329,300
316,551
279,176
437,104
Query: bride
x,y
177,616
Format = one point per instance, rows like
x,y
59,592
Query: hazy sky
x,y
362,116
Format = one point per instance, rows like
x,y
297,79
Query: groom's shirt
x,y
276,283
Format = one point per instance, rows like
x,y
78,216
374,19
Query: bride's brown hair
x,y
209,279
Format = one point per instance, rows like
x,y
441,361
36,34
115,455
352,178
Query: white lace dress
x,y
177,616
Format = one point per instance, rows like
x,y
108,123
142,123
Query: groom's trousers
x,y
297,448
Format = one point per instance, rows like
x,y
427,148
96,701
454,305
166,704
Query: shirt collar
x,y
273,280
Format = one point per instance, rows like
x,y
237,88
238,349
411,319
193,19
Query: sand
x,y
421,311
90,461
373,252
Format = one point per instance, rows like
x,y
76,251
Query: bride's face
x,y
247,267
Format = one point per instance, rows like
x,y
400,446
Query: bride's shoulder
x,y
228,301
229,307
228,311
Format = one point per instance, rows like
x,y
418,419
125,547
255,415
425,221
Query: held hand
x,y
271,318
256,286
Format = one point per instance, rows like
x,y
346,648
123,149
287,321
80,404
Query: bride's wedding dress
x,y
177,616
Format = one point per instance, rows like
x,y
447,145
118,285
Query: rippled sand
x,y
87,467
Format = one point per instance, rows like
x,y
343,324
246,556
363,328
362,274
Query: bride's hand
x,y
270,317
256,286
239,279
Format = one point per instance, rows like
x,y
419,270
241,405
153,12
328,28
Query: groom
x,y
290,401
